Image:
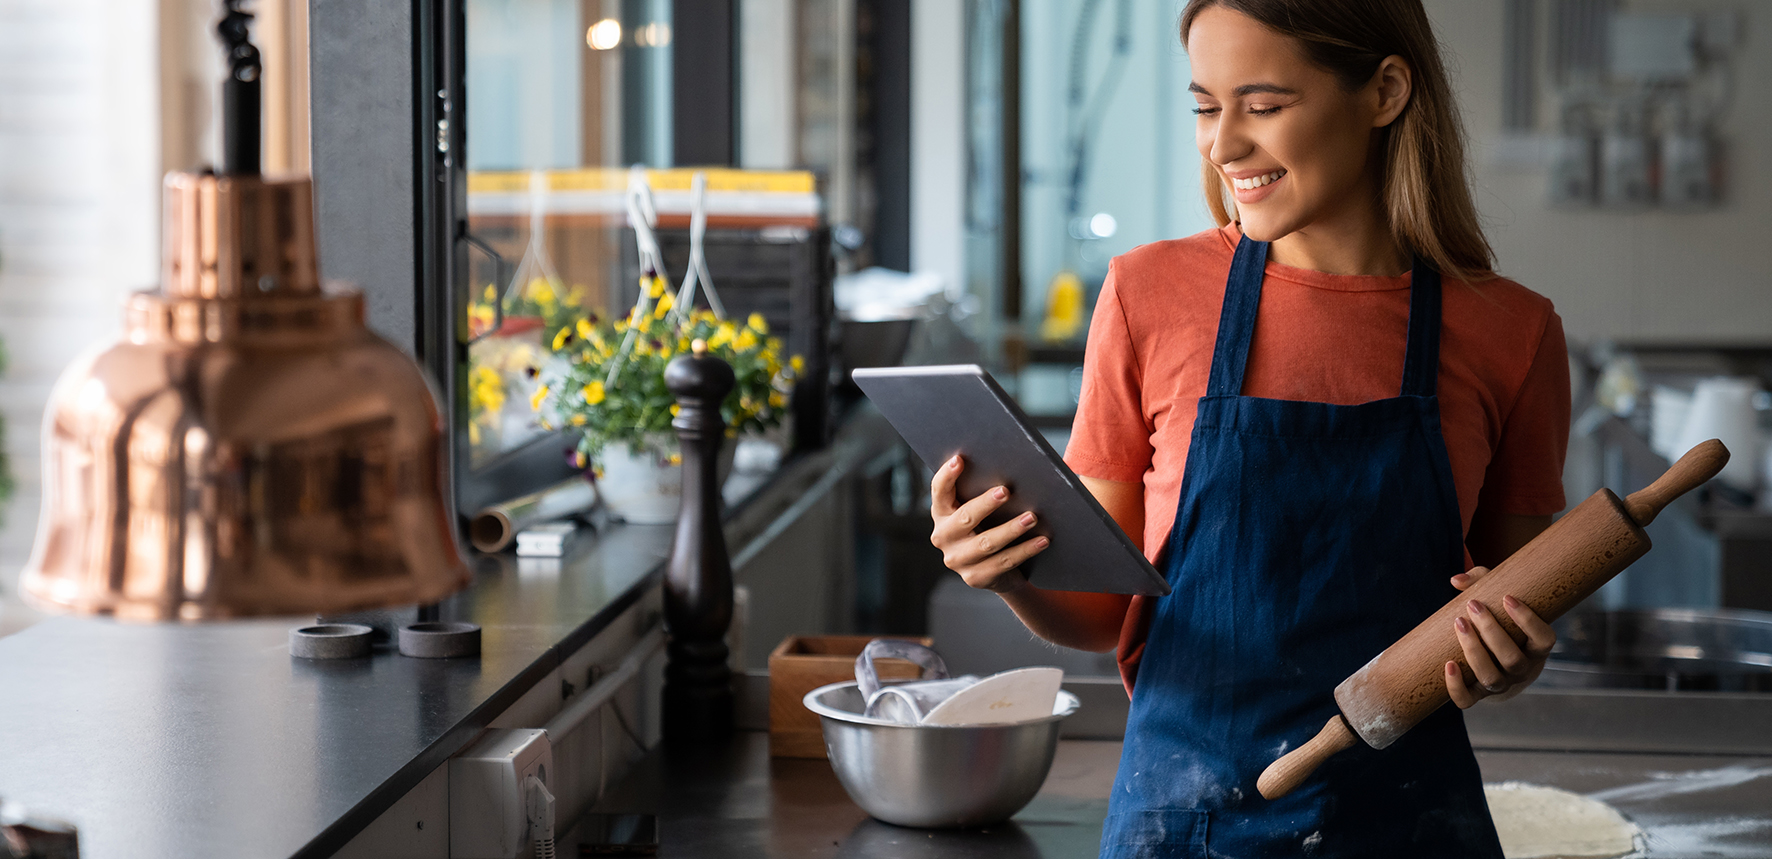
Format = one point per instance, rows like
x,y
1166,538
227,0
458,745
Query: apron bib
x,y
1309,537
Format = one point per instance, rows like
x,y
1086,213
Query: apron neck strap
x,y
1236,322
1242,299
1421,364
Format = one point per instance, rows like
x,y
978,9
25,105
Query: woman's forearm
x,y
1083,621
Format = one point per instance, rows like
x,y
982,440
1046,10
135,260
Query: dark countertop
x,y
199,740
738,803
177,740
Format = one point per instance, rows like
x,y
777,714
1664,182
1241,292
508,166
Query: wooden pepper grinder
x,y
1558,569
698,581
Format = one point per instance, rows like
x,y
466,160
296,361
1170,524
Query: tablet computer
x,y
944,410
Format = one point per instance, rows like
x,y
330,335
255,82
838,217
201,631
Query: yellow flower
x,y
578,421
798,364
747,340
683,344
561,336
593,393
776,400
541,292
773,344
676,459
722,336
656,287
675,409
575,297
584,329
664,306
756,323
491,292
621,325
535,401
579,459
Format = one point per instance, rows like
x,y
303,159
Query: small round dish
x,y
439,639
331,641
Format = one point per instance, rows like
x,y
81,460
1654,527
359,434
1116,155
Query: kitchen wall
x,y
80,162
1143,169
1700,277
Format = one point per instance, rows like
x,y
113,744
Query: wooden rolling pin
x,y
1559,568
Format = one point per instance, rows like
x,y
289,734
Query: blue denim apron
x,y
1309,537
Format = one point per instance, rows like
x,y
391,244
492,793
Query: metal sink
x,y
1672,650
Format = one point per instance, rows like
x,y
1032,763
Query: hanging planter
x,y
643,484
606,378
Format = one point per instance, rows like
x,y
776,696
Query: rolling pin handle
x,y
1287,773
1701,463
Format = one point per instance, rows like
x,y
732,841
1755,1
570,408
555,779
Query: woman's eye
x,y
1264,111
1206,111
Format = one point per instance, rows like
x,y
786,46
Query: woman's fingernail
x,y
1451,668
955,462
1475,607
1462,624
1000,493
1041,542
1460,579
1027,518
1511,601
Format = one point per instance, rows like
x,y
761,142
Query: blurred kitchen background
x,y
922,181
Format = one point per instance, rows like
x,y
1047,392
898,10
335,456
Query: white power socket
x,y
487,799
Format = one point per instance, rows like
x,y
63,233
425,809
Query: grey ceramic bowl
x,y
935,776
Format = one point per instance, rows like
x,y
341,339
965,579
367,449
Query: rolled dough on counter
x,y
1537,822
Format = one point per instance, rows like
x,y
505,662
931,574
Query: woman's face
x,y
1294,146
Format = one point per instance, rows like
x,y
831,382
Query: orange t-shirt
x,y
1503,384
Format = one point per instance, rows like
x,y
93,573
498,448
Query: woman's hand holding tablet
x,y
987,560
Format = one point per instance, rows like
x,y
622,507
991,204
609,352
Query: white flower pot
x,y
644,487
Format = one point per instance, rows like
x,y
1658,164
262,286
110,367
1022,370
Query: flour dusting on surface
x,y
1710,838
1662,785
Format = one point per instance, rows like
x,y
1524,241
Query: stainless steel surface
x,y
1688,806
331,641
1611,720
1667,649
250,447
928,776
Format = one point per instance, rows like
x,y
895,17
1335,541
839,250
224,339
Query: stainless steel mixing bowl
x,y
935,776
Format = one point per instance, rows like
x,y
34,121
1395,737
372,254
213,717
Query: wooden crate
x,y
802,663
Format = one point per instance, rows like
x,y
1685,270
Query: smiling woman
x,y
1367,59
1323,419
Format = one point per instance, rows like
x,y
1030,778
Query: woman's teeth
x,y
1254,182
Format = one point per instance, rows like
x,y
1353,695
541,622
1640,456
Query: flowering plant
x,y
634,407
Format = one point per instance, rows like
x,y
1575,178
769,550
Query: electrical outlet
x,y
487,803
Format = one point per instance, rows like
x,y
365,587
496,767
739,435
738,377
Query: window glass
x,y
557,90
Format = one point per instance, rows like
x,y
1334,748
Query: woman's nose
x,y
1229,143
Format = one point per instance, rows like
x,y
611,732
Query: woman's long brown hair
x,y
1425,197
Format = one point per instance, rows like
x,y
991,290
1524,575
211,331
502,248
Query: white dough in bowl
x,y
1538,822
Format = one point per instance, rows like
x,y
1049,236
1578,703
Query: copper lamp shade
x,y
251,447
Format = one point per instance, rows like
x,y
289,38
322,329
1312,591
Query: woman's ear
x,y
1392,85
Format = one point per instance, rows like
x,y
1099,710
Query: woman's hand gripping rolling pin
x,y
1503,667
986,560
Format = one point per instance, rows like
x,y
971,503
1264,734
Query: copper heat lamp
x,y
251,447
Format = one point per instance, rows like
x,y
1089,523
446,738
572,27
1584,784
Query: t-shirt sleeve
x,y
1525,476
1109,437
